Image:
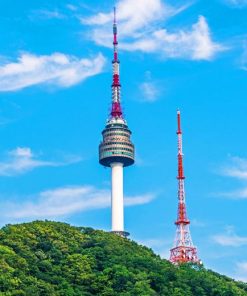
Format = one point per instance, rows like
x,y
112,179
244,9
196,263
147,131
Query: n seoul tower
x,y
116,150
183,250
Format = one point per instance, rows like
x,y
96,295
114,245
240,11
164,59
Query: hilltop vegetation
x,y
51,258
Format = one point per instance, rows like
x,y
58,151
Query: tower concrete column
x,y
117,197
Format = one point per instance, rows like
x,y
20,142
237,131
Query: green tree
x,y
51,258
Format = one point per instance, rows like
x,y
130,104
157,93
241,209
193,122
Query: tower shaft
x,y
117,197
183,249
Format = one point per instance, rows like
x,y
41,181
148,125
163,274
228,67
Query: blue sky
x,y
55,77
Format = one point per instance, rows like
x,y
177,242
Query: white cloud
x,y
139,28
195,44
241,271
47,14
139,200
237,168
243,266
66,201
230,239
197,223
236,3
236,194
56,69
150,89
22,160
134,15
243,60
72,7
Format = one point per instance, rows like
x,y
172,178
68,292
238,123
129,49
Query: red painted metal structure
x,y
183,250
116,110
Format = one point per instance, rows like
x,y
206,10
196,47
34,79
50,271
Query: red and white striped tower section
x,y
183,250
116,150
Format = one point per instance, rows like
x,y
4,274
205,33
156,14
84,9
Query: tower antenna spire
x,y
115,18
116,109
183,249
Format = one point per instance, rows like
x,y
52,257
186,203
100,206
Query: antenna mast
x,y
116,110
183,250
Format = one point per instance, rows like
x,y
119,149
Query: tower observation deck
x,y
116,149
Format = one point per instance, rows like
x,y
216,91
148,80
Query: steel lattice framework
x,y
183,250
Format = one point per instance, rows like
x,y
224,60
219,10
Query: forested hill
x,y
51,258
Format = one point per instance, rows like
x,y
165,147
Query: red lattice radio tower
x,y
183,250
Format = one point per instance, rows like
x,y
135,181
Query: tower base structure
x,y
183,254
121,233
